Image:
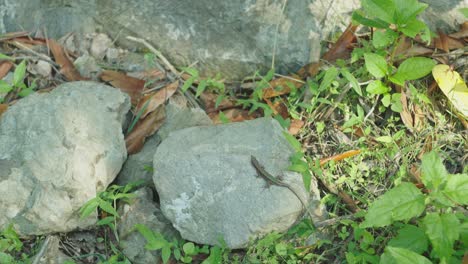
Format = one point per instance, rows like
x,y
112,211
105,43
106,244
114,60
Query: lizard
x,y
272,180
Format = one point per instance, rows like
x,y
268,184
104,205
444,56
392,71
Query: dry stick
x,y
41,253
157,53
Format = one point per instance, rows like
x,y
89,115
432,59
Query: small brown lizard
x,y
272,180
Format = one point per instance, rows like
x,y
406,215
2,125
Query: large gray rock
x,y
57,151
234,38
209,190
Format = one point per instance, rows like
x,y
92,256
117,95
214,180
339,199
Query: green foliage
x,y
107,202
439,225
215,84
9,243
18,84
182,251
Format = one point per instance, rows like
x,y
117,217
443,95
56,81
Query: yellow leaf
x,y
453,86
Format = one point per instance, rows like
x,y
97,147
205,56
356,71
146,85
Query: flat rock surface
x,y
57,151
209,190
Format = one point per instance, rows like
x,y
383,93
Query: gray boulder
x,y
57,151
210,191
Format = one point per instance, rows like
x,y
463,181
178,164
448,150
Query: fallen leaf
x,y
130,85
343,46
341,156
405,114
5,67
153,100
453,86
66,66
282,86
278,107
143,129
233,115
209,102
295,126
12,35
462,33
3,108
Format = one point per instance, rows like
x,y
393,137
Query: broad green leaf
x,y
410,237
394,255
396,103
377,87
386,100
376,65
200,88
106,220
281,249
352,80
6,258
5,87
414,68
400,203
5,57
464,11
19,74
442,231
407,10
382,39
89,207
330,75
187,84
191,71
384,139
456,188
433,172
307,179
166,253
383,9
377,23
413,28
189,248
299,167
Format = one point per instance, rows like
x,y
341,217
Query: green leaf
x,y
189,248
26,92
400,203
154,241
330,75
396,103
413,28
5,57
191,71
299,167
414,68
456,188
281,249
377,87
433,172
410,237
394,255
107,207
384,139
359,18
383,9
19,74
201,88
89,207
166,253
352,80
386,100
407,10
106,220
6,258
376,65
293,141
187,84
442,231
382,39
5,87
464,11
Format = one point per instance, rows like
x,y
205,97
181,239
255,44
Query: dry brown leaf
x,y
233,115
209,102
130,85
3,108
441,42
295,126
153,100
462,33
28,41
343,46
418,117
405,114
12,35
5,67
282,85
66,66
143,129
278,107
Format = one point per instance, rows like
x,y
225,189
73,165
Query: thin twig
x,y
275,41
157,53
41,253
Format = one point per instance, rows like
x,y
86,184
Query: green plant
x,y
107,202
429,218
18,84
182,251
215,84
9,243
255,102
